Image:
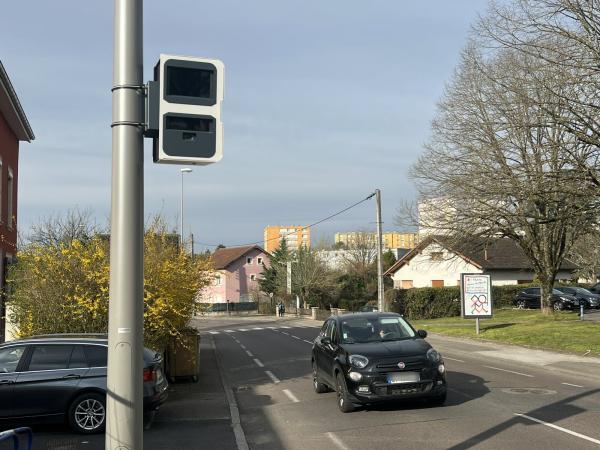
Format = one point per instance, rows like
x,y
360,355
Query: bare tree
x,y
586,254
309,273
561,37
75,224
499,165
361,253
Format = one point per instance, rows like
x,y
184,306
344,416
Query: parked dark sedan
x,y
58,377
589,299
371,357
531,298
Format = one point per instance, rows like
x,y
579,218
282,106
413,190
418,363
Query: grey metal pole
x,y
380,293
124,401
185,170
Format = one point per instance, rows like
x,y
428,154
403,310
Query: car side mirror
x,y
326,340
422,334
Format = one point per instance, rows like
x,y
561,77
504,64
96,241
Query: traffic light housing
x,y
184,110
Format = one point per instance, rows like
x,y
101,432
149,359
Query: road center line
x,y
296,337
258,363
308,342
337,441
291,395
453,359
243,346
283,332
574,385
273,378
510,371
564,430
249,353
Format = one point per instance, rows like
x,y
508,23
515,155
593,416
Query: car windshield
x,y
556,291
583,291
362,330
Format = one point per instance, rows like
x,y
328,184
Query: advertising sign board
x,y
476,295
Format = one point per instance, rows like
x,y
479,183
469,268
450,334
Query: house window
x,y
407,284
9,206
437,256
252,277
437,283
248,260
259,260
218,280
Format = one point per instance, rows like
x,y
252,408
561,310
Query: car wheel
x,y
558,306
344,402
87,413
520,304
438,400
319,387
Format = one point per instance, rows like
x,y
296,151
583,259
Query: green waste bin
x,y
182,358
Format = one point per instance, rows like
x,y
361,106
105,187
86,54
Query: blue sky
x,y
324,102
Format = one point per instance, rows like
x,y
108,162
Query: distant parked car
x,y
595,289
589,299
63,377
531,298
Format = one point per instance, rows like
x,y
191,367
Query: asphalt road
x,y
493,402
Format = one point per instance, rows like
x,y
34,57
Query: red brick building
x,y
14,128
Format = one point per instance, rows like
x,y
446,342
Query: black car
x,y
589,299
371,357
531,298
62,377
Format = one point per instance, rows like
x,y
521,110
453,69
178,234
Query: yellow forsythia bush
x,y
63,288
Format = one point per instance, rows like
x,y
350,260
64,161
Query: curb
x,y
234,411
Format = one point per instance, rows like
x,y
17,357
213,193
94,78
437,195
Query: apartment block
x,y
295,235
391,239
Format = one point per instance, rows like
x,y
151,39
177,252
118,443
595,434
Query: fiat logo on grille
x,y
401,365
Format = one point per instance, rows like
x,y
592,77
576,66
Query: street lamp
x,y
185,170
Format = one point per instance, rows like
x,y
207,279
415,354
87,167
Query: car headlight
x,y
566,299
359,361
433,356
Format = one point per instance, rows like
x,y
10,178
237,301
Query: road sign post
x,y
476,297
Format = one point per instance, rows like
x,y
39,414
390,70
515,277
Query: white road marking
x,y
453,359
229,331
273,378
287,328
296,337
283,332
258,363
574,385
337,441
308,342
242,329
213,332
257,328
243,346
556,427
249,353
271,328
291,396
510,371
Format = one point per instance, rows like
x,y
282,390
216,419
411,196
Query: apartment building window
x,y
9,206
259,260
252,277
248,260
218,280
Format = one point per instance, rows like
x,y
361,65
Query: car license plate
x,y
403,377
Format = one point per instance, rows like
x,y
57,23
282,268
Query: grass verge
x,y
562,331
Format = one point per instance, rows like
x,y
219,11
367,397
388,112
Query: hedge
x,y
432,303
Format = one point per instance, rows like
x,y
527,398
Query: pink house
x,y
238,270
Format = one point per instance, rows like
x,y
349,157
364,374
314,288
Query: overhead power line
x,y
298,230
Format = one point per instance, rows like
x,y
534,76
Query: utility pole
x,y
380,296
124,401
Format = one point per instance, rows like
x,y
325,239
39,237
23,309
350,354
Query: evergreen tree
x,y
273,278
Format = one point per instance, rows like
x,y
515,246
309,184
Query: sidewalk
x,y
196,415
